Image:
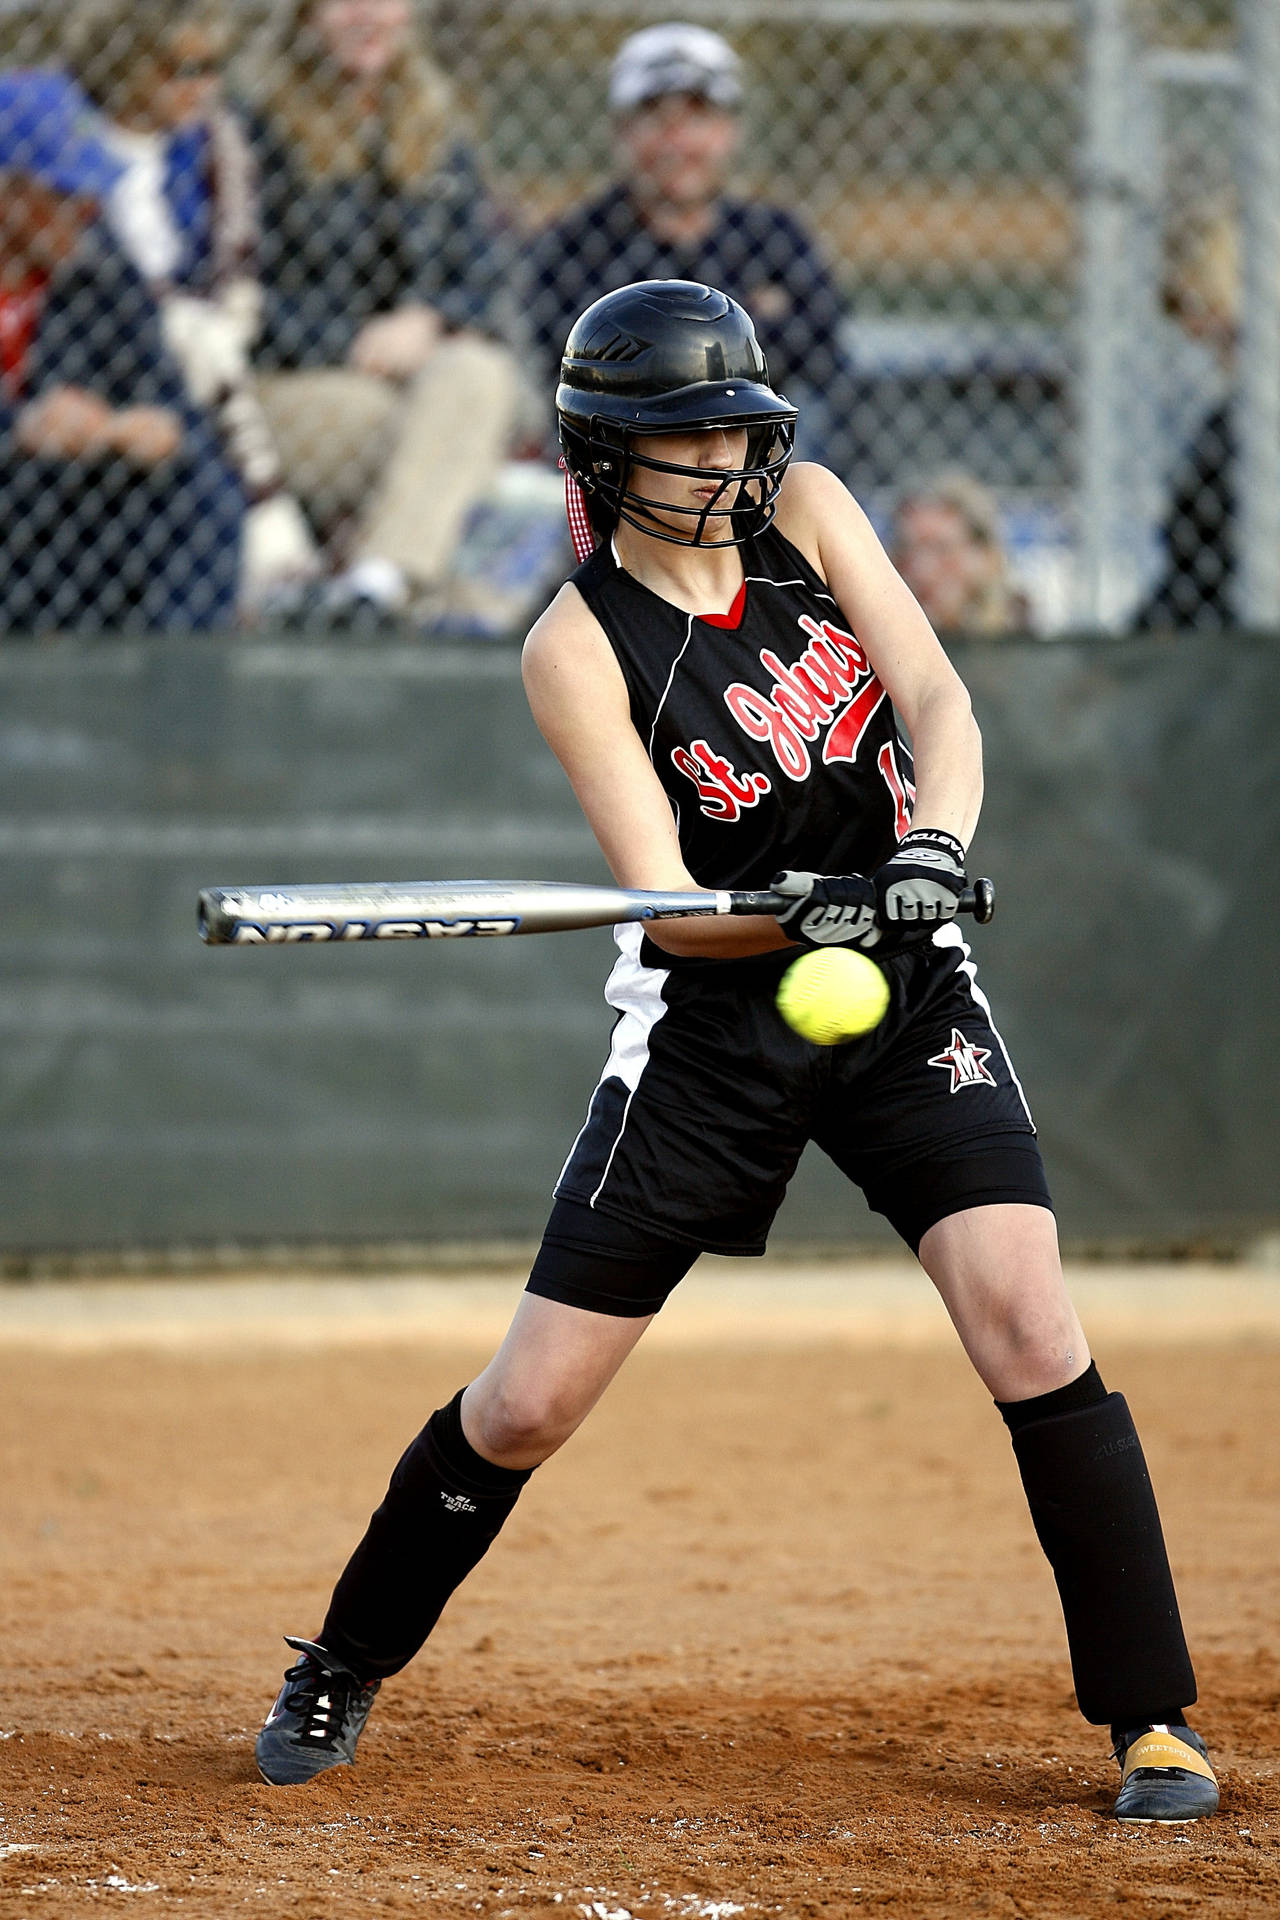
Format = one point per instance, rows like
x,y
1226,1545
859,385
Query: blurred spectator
x,y
1202,293
675,93
946,543
185,211
116,507
387,390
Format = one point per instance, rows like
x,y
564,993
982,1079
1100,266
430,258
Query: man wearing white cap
x,y
675,92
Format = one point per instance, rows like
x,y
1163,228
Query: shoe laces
x,y
323,1696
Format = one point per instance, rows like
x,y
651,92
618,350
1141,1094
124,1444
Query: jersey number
x,y
902,790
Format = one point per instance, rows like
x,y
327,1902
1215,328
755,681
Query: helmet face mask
x,y
743,503
670,357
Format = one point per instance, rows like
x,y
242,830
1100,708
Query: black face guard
x,y
751,491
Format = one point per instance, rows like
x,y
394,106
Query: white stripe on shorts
x,y
635,992
951,936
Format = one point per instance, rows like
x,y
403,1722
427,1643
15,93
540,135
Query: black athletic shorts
x,y
708,1099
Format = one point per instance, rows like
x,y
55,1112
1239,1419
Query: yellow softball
x,y
833,994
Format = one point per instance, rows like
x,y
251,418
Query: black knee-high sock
x,y
443,1510
1095,1514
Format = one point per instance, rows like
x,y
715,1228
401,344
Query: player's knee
x,y
471,354
515,1422
1038,1349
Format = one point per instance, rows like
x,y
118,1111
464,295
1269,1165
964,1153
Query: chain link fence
x,y
283,289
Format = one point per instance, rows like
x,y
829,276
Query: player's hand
x,y
831,910
65,423
922,884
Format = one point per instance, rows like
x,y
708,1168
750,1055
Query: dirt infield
x,y
772,1636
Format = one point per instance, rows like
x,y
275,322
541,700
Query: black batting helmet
x,y
668,356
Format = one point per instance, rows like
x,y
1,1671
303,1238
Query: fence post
x,y
1104,267
1257,405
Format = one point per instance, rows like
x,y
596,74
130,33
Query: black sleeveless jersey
x,y
773,738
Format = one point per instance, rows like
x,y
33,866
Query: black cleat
x,y
318,1716
1166,1778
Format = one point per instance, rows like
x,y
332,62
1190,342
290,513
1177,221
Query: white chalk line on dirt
x,y
722,1303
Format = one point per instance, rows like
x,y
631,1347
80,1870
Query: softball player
x,y
722,680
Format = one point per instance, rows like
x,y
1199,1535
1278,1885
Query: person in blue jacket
x,y
117,508
185,211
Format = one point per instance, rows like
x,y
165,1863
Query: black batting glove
x,y
922,884
831,910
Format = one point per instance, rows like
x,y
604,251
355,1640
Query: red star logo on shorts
x,y
966,1063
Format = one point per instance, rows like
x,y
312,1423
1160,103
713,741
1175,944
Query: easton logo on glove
x,y
922,884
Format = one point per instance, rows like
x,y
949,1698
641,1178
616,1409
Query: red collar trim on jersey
x,y
734,616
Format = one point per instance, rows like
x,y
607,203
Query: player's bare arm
x,y
579,700
819,515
